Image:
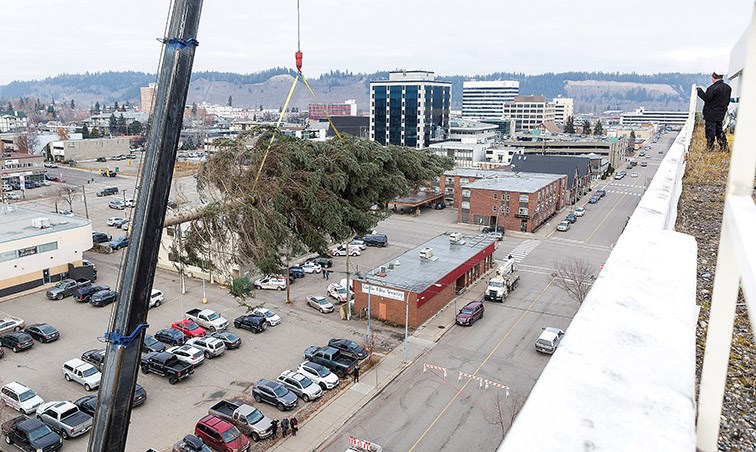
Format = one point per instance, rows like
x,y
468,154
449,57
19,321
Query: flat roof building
x,y
667,118
39,247
418,283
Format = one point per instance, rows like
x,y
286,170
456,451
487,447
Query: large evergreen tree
x,y
308,194
598,129
569,125
586,127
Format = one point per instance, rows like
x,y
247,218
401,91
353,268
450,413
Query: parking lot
x,y
172,411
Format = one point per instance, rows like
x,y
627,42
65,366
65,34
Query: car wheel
x,y
257,398
263,326
255,437
145,370
340,373
157,304
59,297
208,355
173,380
257,287
87,387
305,397
8,440
18,328
64,433
280,288
68,377
323,386
280,406
322,311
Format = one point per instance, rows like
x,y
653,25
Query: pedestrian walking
x,y
327,274
716,99
284,427
357,374
294,425
274,426
324,274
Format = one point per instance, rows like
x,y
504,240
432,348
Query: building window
x,y
524,197
493,208
522,211
464,180
466,204
465,193
507,196
507,211
7,256
52,246
495,196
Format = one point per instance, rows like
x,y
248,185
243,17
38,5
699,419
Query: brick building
x,y
423,280
577,170
517,201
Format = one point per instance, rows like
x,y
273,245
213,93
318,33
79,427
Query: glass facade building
x,y
410,109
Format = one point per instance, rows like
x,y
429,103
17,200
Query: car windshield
x,y
254,417
354,347
150,341
230,435
322,371
323,301
89,372
191,326
26,395
39,432
280,391
467,311
496,284
213,316
229,337
305,382
268,313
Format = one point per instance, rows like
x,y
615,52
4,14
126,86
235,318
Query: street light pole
x,y
406,323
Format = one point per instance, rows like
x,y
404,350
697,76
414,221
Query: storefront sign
x,y
383,292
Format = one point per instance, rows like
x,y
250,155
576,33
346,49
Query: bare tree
x,y
67,194
62,133
575,276
27,141
506,408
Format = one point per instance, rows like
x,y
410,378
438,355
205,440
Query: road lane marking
x,y
605,217
522,316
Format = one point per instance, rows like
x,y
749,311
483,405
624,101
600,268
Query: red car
x,y
189,328
220,435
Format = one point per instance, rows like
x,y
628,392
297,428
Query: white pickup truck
x,y
207,318
82,373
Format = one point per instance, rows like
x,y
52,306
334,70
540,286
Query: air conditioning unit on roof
x,y
426,253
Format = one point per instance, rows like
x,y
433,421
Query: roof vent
x,y
455,238
426,253
41,223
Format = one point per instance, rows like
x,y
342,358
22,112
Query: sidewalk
x,y
332,416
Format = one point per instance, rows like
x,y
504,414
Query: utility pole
x,y
128,322
84,198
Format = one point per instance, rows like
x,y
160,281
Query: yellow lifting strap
x,y
316,98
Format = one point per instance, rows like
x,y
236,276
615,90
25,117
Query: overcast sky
x,y
46,38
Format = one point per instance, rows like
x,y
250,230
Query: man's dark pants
x,y
713,130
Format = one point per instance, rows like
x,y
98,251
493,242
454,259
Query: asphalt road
x,y
429,411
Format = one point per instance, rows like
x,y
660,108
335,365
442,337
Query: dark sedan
x,y
150,344
18,341
349,348
83,294
571,217
275,394
88,404
103,298
230,339
171,336
94,357
42,332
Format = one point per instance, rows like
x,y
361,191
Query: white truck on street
x,y
504,282
207,318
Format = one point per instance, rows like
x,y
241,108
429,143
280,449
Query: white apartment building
x,y
528,112
563,108
465,155
666,118
466,131
485,99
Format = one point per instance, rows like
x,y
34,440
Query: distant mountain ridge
x,y
593,92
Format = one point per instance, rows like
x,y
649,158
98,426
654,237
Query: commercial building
x,y
577,170
102,120
147,94
417,284
486,99
37,247
664,118
467,131
517,201
465,155
564,107
528,112
322,111
410,109
89,149
19,168
611,148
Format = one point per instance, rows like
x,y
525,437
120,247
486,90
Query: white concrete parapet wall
x,y
623,378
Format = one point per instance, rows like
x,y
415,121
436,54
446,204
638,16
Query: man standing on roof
x,y
716,99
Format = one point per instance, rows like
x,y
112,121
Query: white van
x,y
549,340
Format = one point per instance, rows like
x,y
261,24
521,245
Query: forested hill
x,y
592,91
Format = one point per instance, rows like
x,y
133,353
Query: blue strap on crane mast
x,y
117,338
180,43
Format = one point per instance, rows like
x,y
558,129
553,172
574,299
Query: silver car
x,y
320,303
300,385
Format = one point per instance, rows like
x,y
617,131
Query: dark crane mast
x,y
128,323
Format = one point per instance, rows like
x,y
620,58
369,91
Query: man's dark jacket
x,y
716,99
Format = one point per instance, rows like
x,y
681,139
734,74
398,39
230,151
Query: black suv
x,y
325,262
107,191
375,240
275,394
488,229
150,344
17,341
83,294
101,237
296,271
254,323
94,357
171,336
103,298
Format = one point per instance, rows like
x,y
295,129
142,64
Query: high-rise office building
x,y
147,95
409,109
485,99
563,108
529,112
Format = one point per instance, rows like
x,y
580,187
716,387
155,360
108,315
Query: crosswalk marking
x,y
523,249
624,192
579,243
